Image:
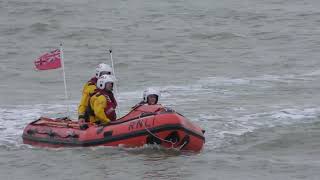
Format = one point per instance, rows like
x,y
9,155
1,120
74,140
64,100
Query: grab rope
x,y
184,143
154,135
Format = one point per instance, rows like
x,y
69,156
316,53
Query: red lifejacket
x,y
112,104
93,81
112,98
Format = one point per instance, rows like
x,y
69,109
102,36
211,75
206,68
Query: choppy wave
x,y
220,85
216,36
40,27
12,31
220,126
221,129
256,64
227,81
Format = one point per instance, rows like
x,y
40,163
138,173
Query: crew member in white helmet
x,y
102,104
89,89
150,96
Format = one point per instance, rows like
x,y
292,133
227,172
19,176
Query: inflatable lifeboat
x,y
146,124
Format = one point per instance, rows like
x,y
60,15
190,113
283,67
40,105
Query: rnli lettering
x,y
140,124
131,126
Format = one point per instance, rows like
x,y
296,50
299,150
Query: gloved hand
x,y
81,120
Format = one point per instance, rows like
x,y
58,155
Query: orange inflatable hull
x,y
143,125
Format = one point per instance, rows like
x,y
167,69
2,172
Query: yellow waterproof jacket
x,y
103,108
88,90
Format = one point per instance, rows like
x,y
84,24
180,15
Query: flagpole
x,y
64,80
115,84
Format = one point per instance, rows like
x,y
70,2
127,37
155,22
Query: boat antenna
x,y
115,84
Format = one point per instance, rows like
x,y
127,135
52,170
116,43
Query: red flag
x,y
51,60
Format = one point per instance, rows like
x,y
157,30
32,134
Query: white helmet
x,y
101,83
103,68
150,91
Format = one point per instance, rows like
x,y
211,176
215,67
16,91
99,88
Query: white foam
x,y
209,117
13,119
296,114
219,127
